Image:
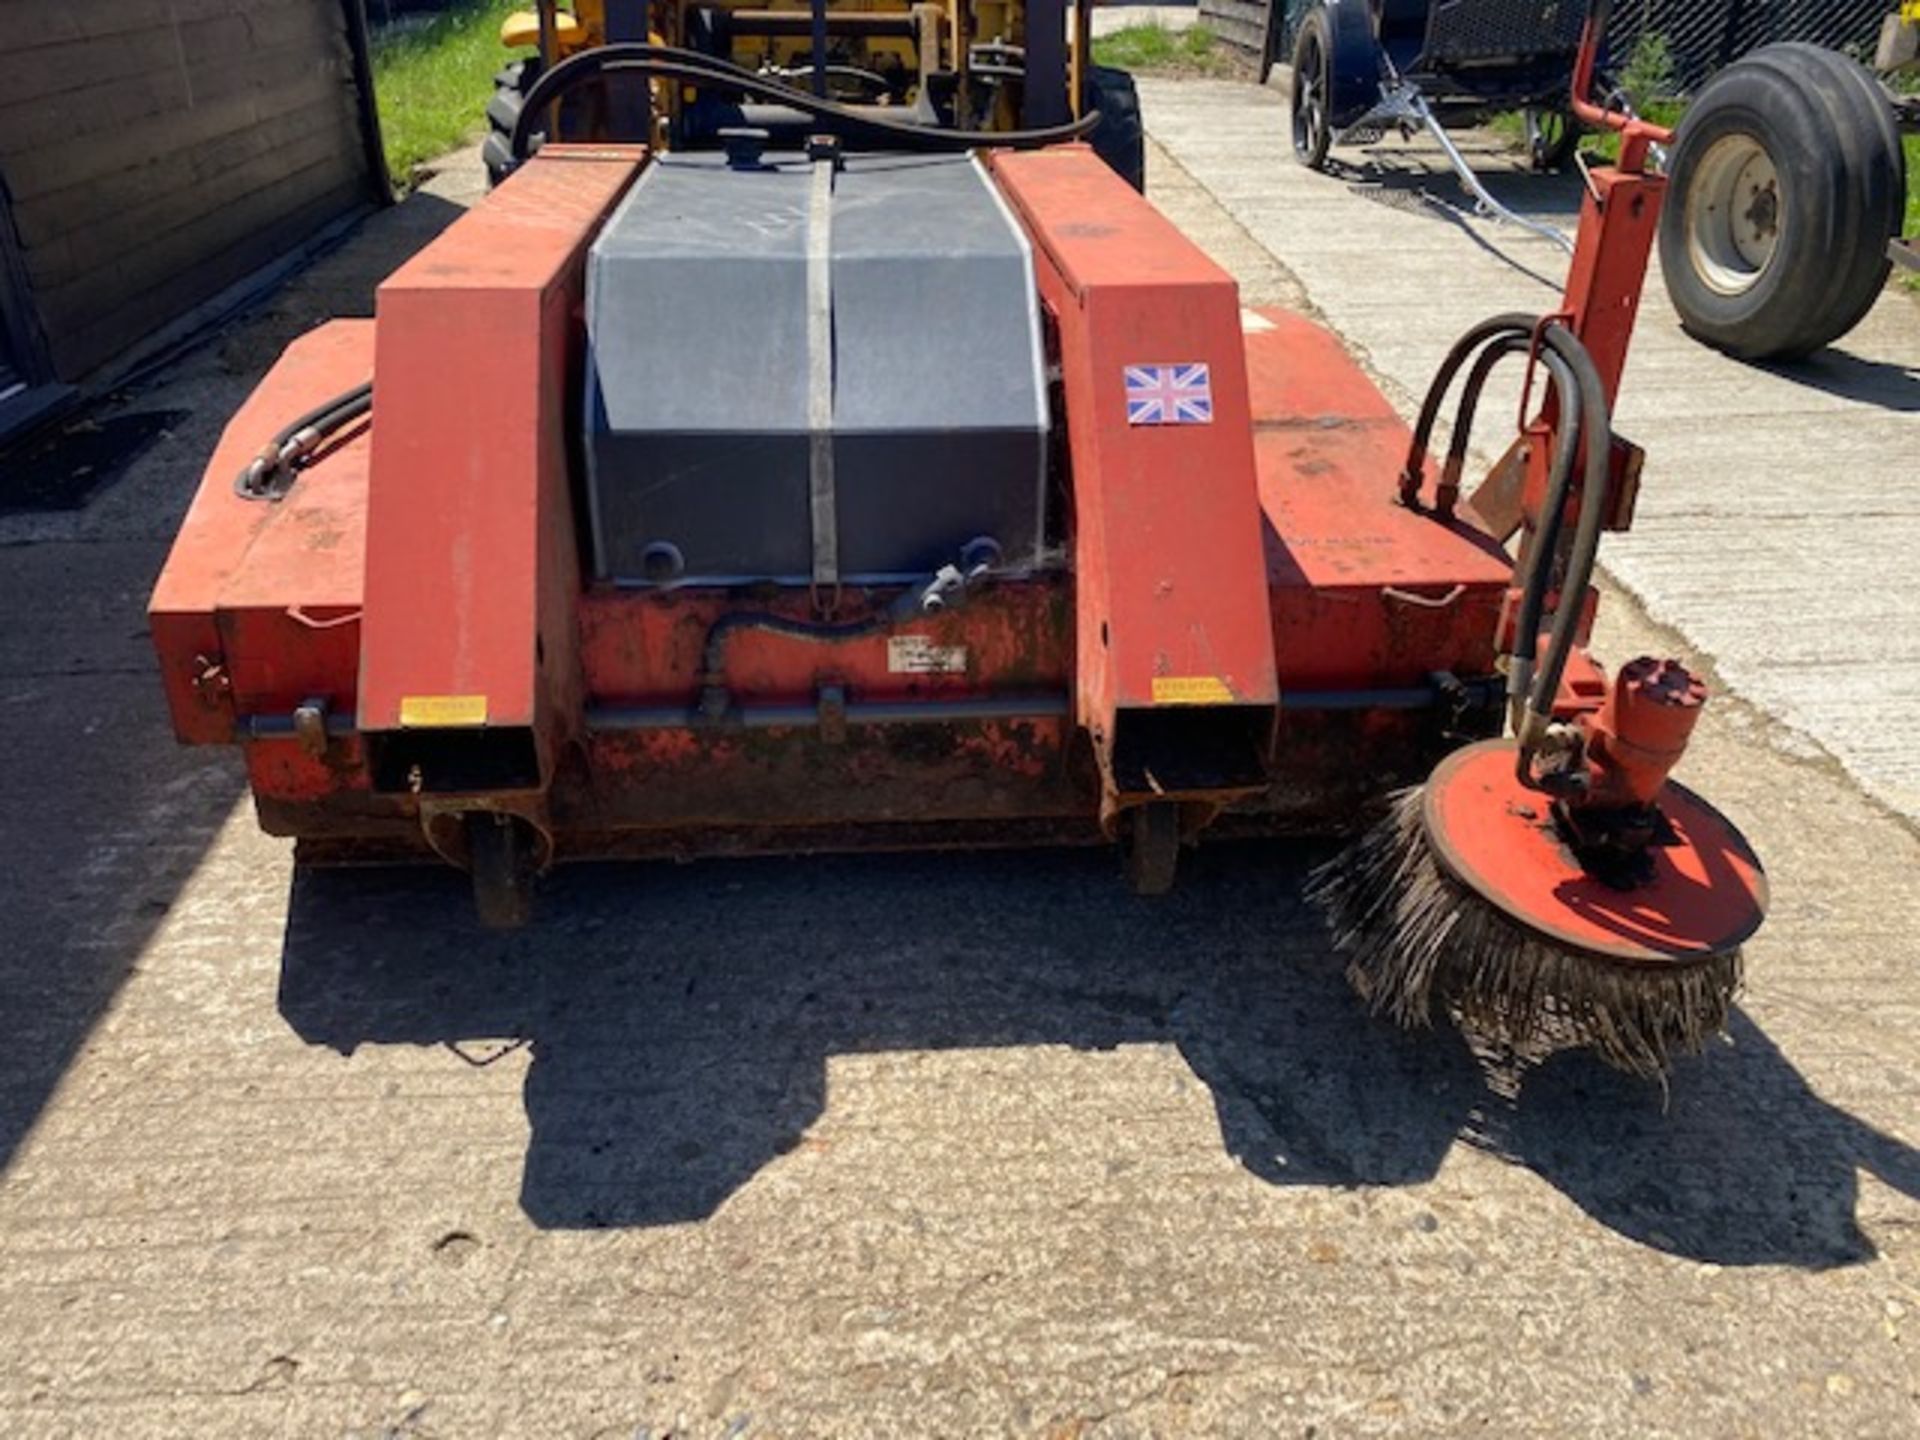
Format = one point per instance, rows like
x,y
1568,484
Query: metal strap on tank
x,y
821,507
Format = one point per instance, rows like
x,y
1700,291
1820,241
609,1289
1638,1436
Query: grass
x,y
1512,125
1156,50
1911,143
432,80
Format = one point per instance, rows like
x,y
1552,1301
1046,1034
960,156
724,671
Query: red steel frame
x,y
1170,586
1257,568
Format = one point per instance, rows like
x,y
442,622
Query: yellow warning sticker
x,y
442,712
1191,690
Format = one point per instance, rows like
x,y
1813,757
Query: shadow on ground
x,y
1870,382
102,816
1419,182
104,820
680,1021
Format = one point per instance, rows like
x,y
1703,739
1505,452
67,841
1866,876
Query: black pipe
x,y
1533,572
1513,323
1563,384
1597,425
687,65
1585,412
1538,562
818,30
260,478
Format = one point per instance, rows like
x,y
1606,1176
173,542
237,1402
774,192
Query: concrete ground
x,y
1779,516
917,1146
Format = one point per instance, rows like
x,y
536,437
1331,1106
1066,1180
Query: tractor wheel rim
x,y
1734,215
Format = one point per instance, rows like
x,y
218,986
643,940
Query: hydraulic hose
x,y
1597,426
1583,413
671,62
1534,572
1546,542
1564,387
264,477
1514,323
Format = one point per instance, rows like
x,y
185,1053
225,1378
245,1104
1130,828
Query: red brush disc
x,y
1706,895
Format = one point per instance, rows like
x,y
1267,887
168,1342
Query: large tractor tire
x,y
1788,181
1119,138
510,87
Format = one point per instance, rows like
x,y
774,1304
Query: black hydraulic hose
x,y
1514,323
1469,407
293,442
1564,388
1597,426
1534,573
674,63
1584,414
1546,541
321,411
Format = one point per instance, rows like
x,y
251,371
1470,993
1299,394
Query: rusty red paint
x,y
471,560
1365,592
641,648
1701,895
237,557
1266,551
1167,546
1619,217
1642,730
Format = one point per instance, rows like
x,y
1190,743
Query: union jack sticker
x,y
1169,395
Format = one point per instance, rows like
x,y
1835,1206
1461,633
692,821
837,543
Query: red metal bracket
x,y
1175,658
472,575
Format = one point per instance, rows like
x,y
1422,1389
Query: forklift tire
x,y
1119,138
1787,182
510,87
500,860
1153,847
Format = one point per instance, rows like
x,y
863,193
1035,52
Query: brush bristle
x,y
1414,937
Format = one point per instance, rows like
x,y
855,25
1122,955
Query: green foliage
x,y
1650,76
1911,144
433,78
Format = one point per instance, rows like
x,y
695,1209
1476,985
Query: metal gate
x,y
1703,34
1707,34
